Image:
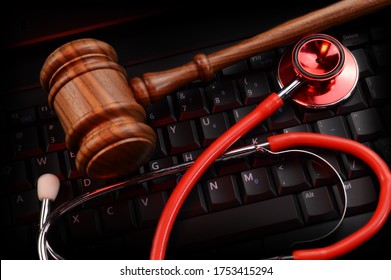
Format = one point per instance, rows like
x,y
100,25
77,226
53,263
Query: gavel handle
x,y
152,86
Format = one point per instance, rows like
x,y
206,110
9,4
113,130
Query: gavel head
x,y
103,123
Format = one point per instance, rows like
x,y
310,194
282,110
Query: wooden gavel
x,y
103,114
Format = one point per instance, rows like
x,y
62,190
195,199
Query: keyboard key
x,y
194,204
84,226
355,102
223,96
191,104
222,193
364,65
255,87
16,177
311,115
264,60
70,165
161,145
333,158
53,137
23,117
353,39
321,174
25,206
333,126
257,185
149,208
235,69
354,167
360,193
378,93
161,113
382,54
379,32
26,143
191,156
46,113
317,205
165,182
213,126
117,217
366,125
47,163
298,128
241,112
85,185
284,117
182,137
289,176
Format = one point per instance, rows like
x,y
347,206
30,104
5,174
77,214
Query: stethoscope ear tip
x,y
48,186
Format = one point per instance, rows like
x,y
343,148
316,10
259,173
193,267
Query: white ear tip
x,y
48,186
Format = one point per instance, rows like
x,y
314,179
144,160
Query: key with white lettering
x,y
47,163
25,206
149,207
255,87
85,185
117,217
290,177
53,136
317,205
165,182
223,96
182,137
70,165
213,126
361,196
25,143
22,117
222,193
161,113
84,225
333,126
257,185
191,103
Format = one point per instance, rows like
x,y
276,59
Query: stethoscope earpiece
x,y
108,130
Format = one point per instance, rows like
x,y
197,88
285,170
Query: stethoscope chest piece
x,y
329,70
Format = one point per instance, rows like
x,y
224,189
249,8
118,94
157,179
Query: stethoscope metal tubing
x,y
44,247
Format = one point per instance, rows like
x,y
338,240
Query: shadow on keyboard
x,y
229,214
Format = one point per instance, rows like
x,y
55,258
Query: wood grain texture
x,y
103,123
102,112
152,86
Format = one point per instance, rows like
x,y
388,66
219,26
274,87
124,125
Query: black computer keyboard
x,y
228,214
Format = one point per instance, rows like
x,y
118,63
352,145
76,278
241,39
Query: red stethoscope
x,y
318,72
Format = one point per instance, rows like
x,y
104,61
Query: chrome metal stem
x,y
47,221
45,210
290,88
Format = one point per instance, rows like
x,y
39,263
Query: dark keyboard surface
x,y
249,208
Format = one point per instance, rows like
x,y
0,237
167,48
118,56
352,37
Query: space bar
x,y
277,214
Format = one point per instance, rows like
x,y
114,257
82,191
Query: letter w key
x,y
48,163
